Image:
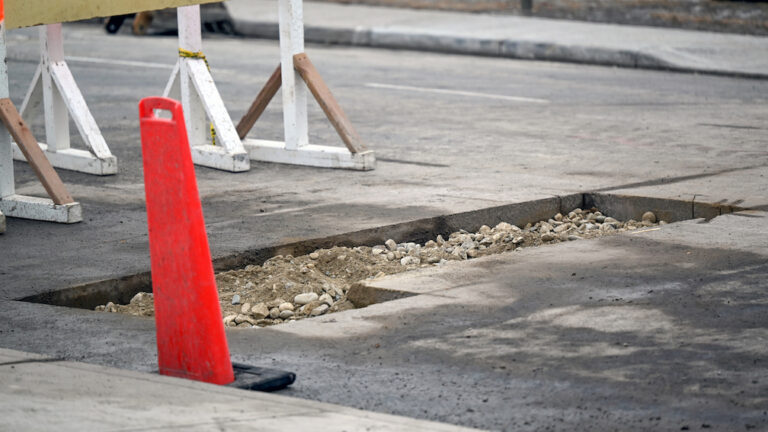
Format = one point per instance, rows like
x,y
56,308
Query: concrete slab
x,y
515,37
659,330
71,396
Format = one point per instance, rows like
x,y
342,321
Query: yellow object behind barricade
x,y
26,13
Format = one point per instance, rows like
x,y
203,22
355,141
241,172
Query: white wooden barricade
x,y
54,92
191,82
12,204
296,149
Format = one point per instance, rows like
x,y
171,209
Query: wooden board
x,y
328,103
26,13
37,160
260,103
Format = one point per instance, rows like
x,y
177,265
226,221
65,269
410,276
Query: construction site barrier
x,y
60,207
214,140
294,70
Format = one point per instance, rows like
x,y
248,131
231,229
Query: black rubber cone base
x,y
260,379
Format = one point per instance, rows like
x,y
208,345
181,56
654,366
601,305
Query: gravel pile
x,y
287,288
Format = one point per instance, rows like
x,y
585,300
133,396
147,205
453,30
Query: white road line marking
x,y
457,93
119,62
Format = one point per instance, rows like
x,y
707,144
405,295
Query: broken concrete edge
x,y
503,48
365,293
625,207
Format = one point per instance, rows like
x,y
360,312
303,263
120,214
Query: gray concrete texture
x,y
532,360
515,37
107,399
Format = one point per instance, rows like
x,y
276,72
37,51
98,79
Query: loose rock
x,y
305,298
319,310
327,299
259,311
649,217
410,260
230,319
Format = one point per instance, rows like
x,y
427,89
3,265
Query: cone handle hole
x,y
163,113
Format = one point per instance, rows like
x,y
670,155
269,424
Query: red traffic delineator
x,y
191,342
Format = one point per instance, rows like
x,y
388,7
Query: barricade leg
x,y
295,67
54,92
191,82
61,208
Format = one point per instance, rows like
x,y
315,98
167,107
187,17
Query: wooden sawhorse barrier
x,y
294,68
60,207
54,88
214,140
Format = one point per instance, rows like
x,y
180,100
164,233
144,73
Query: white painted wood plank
x,y
192,82
293,91
75,160
27,207
226,134
190,39
54,107
4,90
310,155
217,157
190,35
7,182
81,115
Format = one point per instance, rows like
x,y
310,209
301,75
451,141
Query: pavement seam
x,y
45,360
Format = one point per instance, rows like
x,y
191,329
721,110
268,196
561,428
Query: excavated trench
x,y
318,276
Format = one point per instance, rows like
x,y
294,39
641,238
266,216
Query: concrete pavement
x,y
71,396
514,37
447,143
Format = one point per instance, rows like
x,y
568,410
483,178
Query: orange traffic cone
x,y
191,342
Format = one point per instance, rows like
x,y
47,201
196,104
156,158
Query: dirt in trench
x,y
287,288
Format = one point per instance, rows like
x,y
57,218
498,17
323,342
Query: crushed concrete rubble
x,y
287,288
